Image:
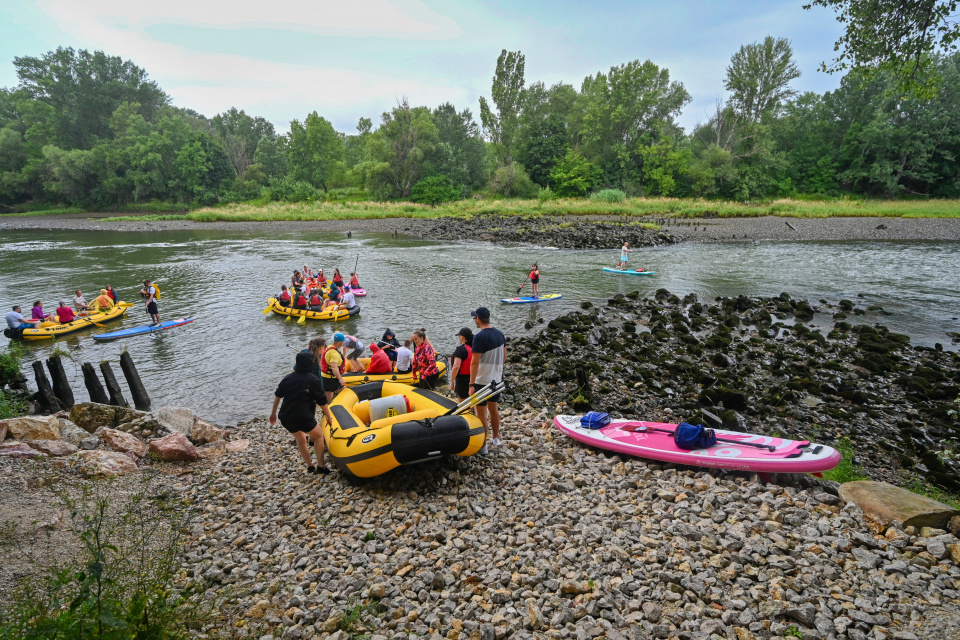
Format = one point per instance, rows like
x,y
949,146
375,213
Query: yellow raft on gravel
x,y
379,426
333,313
54,329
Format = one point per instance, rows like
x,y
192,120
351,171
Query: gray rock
x,y
90,443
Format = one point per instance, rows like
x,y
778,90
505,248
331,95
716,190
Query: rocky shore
x,y
548,538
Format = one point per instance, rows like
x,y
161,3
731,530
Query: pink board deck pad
x,y
628,436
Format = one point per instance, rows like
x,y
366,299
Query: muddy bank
x,y
559,231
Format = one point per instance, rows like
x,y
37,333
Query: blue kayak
x,y
629,272
147,328
543,298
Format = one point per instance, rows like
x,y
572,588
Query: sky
x,y
283,59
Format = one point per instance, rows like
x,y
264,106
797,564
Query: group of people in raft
x,y
81,308
306,291
318,377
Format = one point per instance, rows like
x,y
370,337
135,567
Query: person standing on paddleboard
x,y
150,293
624,258
535,280
486,366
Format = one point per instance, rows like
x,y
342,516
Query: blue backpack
x,y
594,420
689,436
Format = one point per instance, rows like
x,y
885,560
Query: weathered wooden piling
x,y
61,385
45,396
116,394
92,382
141,400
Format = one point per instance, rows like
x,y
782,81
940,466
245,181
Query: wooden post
x,y
140,398
45,396
94,388
116,394
61,386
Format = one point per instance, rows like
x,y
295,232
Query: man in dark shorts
x,y
301,392
486,366
150,293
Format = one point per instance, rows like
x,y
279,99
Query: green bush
x,y
434,190
287,190
121,586
10,364
546,195
512,181
608,195
574,175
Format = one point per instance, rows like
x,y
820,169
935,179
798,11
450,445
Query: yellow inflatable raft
x,y
354,378
48,330
413,429
333,313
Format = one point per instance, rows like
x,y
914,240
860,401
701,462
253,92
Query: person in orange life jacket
x,y
331,367
535,280
355,280
337,279
64,313
379,361
460,369
425,360
316,300
284,296
301,392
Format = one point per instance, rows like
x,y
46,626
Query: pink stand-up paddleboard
x,y
624,436
358,292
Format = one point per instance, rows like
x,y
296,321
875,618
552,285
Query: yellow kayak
x,y
412,429
54,329
333,313
355,378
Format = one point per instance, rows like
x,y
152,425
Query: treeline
x,y
91,130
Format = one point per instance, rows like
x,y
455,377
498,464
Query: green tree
x,y
314,151
623,110
240,134
399,150
460,154
507,94
434,190
758,77
544,135
664,166
81,90
271,156
896,37
574,175
511,181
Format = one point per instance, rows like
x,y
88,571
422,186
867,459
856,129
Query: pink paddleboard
x,y
788,456
358,292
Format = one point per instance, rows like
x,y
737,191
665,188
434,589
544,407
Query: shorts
x,y
494,399
356,353
429,382
461,385
296,426
624,259
534,280
152,308
331,384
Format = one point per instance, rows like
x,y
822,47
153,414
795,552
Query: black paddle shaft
x,y
768,447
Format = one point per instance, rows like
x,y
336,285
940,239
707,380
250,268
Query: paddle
x,y
524,284
303,319
479,396
644,428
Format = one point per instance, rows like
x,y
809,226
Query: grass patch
x,y
45,212
847,470
921,487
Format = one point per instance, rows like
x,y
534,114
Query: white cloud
x,y
211,82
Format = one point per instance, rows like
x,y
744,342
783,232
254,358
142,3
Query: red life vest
x,y
354,282
315,300
285,296
301,301
324,365
465,365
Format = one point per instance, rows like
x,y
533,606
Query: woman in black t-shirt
x,y
460,368
301,392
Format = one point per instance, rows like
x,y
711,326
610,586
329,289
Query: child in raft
x,y
301,392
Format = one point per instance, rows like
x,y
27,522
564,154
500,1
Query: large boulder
x,y
175,446
14,449
204,432
69,432
53,447
90,416
105,464
123,442
176,418
887,503
32,428
146,427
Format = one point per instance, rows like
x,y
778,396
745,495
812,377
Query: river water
x,y
226,364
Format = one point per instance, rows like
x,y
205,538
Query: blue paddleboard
x,y
543,298
147,328
629,272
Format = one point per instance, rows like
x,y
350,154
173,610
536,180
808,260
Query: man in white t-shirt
x,y
80,303
347,300
404,358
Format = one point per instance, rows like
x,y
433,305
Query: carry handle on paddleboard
x,y
644,428
479,396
